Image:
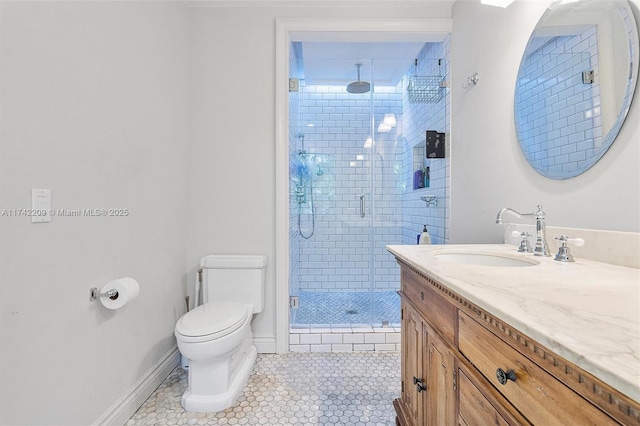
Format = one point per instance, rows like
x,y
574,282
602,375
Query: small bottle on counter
x,y
425,238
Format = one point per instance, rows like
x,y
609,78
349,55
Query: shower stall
x,y
345,198
351,162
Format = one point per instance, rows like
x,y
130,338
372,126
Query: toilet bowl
x,y
216,336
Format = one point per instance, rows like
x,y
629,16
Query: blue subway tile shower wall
x,y
433,60
337,256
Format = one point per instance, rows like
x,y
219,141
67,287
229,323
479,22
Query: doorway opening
x,y
350,158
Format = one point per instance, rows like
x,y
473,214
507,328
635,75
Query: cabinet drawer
x,y
440,314
540,397
475,409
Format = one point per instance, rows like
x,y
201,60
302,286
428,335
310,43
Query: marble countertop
x,y
586,311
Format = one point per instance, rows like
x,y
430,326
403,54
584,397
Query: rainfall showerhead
x,y
358,86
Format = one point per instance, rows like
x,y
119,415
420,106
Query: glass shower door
x,y
343,189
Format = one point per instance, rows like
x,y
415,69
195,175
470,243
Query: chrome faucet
x,y
542,248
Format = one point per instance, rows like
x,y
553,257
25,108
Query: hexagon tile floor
x,y
355,388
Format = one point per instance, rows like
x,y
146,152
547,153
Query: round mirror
x,y
575,84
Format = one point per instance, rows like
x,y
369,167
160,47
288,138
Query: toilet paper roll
x,y
127,289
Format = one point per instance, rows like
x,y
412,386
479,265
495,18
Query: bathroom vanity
x,y
493,336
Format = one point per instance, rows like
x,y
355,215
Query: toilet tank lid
x,y
234,261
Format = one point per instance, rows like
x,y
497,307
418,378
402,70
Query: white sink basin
x,y
483,259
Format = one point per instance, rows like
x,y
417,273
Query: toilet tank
x,y
235,278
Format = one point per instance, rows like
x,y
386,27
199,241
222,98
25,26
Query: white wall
x,y
93,105
488,171
232,131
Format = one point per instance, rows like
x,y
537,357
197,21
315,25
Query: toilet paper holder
x,y
94,294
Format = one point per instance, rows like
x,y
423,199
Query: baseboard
x,y
126,406
265,345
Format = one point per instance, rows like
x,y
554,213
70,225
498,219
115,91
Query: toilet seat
x,y
212,320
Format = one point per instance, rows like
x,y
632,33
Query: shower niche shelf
x,y
420,167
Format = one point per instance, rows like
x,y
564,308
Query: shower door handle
x,y
362,206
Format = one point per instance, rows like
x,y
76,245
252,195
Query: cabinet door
x,y
441,384
412,362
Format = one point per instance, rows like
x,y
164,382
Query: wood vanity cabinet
x,y
427,372
463,366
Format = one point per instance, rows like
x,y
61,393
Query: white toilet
x,y
216,336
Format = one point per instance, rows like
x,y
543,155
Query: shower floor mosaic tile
x,y
293,389
346,307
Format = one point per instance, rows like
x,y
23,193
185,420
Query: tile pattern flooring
x,y
293,389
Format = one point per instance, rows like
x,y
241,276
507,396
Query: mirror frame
x,y
632,81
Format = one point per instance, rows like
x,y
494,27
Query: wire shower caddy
x,y
426,88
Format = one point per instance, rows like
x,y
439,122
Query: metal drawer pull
x,y
362,214
419,386
503,377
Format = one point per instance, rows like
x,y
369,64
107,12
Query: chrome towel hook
x,y
472,80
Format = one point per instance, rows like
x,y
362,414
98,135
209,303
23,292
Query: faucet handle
x,y
578,242
564,255
525,246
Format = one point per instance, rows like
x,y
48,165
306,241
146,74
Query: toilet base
x,y
218,402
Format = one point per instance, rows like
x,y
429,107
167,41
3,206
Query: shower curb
x,y
344,339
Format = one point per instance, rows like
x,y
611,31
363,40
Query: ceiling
x,y
330,58
334,63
